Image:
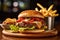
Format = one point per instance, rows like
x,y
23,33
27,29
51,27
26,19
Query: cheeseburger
x,y
28,20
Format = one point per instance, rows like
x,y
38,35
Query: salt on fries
x,y
47,12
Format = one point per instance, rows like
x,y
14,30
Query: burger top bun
x,y
30,13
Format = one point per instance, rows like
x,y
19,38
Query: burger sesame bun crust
x,y
30,13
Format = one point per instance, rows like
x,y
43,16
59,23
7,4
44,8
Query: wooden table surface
x,y
4,37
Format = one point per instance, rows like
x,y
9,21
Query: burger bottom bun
x,y
31,33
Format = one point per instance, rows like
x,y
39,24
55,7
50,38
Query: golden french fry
x,y
50,14
36,9
56,14
54,11
39,5
44,10
50,7
50,11
40,10
46,14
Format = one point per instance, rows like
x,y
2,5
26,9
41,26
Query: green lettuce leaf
x,y
14,28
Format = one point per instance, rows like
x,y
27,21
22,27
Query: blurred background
x,y
11,8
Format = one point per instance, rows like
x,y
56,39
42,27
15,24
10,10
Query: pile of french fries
x,y
46,12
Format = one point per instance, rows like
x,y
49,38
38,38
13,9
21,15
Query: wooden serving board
x,y
31,34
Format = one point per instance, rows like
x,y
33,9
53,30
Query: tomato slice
x,y
20,19
32,20
38,19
